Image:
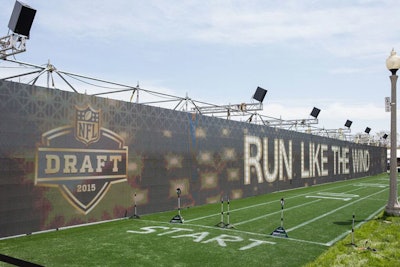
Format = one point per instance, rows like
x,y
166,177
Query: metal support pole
x,y
352,231
135,215
179,205
282,204
228,212
178,218
393,207
222,209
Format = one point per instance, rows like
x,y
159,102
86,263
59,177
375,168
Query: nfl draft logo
x,y
83,159
87,128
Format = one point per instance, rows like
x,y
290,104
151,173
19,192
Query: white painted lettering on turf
x,y
254,244
148,230
174,230
222,240
197,237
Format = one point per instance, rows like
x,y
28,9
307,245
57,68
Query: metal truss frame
x,y
12,44
243,110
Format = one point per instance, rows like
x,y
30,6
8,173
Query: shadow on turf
x,y
17,262
348,222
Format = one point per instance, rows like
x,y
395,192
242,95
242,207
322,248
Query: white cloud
x,y
350,29
342,38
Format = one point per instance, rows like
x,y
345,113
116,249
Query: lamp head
x,y
393,62
178,191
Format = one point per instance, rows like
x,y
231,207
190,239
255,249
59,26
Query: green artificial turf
x,y
376,243
315,218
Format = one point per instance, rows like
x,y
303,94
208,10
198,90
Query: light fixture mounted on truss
x,y
296,122
348,124
235,109
20,24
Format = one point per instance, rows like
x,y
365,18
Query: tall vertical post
x,y
221,223
227,214
352,230
282,204
280,231
222,209
179,205
178,218
135,215
393,208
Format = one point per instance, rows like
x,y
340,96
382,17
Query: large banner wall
x,y
68,158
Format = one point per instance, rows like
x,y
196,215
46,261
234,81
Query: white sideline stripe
x,y
260,204
332,211
326,197
339,237
269,214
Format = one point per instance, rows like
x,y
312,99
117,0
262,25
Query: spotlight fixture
x,y
20,24
315,112
385,136
348,123
21,19
259,94
367,130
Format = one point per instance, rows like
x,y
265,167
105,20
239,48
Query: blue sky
x,y
327,54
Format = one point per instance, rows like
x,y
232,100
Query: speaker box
x,y
21,19
259,94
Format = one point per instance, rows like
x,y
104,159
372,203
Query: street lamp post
x,y
393,206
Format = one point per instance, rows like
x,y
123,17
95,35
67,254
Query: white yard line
x,y
269,214
326,197
371,185
337,194
261,204
291,229
332,211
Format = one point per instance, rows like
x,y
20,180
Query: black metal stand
x,y
178,218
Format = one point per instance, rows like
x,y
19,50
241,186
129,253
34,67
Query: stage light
x,y
348,123
315,112
367,130
259,94
20,24
21,19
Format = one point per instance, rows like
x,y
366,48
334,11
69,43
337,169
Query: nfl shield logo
x,y
87,127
